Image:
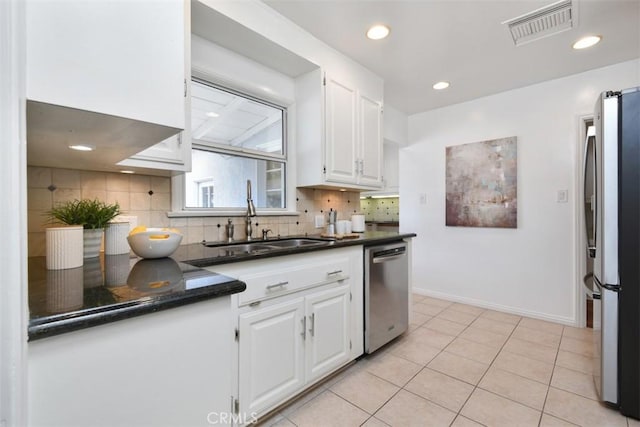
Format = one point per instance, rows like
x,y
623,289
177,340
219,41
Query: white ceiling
x,y
464,42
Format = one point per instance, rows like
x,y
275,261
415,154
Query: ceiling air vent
x,y
543,22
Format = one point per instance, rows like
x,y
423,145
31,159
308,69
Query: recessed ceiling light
x,y
212,114
127,171
82,147
441,85
378,32
586,42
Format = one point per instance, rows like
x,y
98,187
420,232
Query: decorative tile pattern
x,y
149,198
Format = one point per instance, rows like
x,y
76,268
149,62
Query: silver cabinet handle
x,y
277,285
304,327
332,273
312,322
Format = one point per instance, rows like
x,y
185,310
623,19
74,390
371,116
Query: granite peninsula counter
x,y
116,287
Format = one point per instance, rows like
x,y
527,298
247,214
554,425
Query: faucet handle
x,y
265,233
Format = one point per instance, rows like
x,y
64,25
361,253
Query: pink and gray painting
x,y
482,184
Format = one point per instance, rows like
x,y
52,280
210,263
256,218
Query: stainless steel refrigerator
x,y
616,249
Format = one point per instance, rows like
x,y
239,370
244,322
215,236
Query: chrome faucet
x,y
251,211
265,233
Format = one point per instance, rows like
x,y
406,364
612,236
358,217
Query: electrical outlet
x,y
423,199
563,196
319,221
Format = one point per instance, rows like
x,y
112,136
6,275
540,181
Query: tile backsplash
x,y
381,209
149,198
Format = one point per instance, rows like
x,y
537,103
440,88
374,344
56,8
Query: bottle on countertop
x,y
331,228
229,229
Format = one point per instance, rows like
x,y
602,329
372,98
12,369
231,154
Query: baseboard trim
x,y
569,321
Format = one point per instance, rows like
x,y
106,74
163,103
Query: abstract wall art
x,y
481,184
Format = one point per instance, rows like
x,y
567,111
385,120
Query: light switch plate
x,y
423,199
563,196
319,221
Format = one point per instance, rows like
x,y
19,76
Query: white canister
x,y
357,223
341,226
115,238
347,225
64,247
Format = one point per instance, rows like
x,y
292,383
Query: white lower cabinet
x,y
271,349
299,320
168,368
328,334
289,345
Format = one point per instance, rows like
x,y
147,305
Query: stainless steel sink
x,y
241,248
298,242
260,246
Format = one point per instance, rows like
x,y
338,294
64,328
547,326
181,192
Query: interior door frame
x,y
13,227
580,265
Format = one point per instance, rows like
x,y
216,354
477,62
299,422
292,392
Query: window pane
x,y
222,117
220,181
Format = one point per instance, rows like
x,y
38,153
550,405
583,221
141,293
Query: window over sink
x,y
235,137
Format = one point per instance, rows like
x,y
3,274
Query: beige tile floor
x,y
461,365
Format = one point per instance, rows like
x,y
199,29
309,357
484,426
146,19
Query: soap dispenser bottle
x,y
229,229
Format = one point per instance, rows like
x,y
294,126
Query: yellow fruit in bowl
x,y
138,229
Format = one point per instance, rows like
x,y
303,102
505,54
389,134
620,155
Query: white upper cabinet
x,y
119,58
341,143
339,137
370,141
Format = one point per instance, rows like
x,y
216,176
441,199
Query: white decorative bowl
x,y
154,242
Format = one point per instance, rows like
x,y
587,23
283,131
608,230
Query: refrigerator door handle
x,y
591,293
607,286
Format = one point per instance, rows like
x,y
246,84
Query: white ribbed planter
x,y
115,238
92,242
64,247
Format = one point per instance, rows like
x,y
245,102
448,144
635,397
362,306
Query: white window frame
x,y
258,94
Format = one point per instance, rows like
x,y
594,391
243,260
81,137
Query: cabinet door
x,y
340,133
270,360
370,144
171,154
328,331
122,58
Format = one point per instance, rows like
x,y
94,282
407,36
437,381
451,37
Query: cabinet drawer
x,y
288,279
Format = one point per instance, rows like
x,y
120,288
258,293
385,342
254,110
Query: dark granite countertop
x,y
201,256
114,287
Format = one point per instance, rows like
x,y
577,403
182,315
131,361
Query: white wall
x,y
530,270
395,126
260,18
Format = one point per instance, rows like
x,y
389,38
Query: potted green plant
x,y
93,215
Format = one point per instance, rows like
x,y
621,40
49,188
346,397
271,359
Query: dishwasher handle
x,y
385,258
385,255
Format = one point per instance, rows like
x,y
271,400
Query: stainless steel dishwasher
x,y
386,294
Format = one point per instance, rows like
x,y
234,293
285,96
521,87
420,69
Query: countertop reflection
x,y
112,287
